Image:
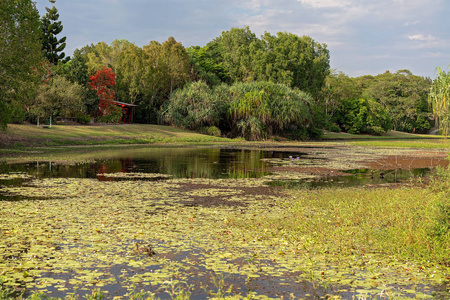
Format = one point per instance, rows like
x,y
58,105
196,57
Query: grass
x,y
25,135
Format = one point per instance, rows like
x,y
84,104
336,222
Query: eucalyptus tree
x,y
52,45
20,57
440,100
234,49
299,62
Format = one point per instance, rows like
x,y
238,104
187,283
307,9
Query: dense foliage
x,y
402,96
253,110
20,58
440,100
363,115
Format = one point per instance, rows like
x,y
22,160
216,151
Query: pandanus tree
x,y
439,98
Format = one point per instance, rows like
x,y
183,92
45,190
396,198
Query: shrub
x,y
210,130
362,115
83,118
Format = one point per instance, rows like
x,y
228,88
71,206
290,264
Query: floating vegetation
x,y
208,237
18,175
133,176
93,236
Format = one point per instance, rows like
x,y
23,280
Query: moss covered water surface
x,y
129,230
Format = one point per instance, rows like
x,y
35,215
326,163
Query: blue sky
x,y
365,37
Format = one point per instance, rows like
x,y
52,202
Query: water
x,y
200,163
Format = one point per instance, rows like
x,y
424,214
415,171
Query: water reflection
x,y
178,162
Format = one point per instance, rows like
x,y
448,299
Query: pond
x,y
230,162
82,224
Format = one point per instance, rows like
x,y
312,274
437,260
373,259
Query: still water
x,y
210,163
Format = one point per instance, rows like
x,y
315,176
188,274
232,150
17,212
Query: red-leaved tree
x,y
102,82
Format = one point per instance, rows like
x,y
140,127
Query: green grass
x,y
107,134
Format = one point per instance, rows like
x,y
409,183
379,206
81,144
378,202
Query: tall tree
x,y
440,100
20,56
233,49
51,45
299,62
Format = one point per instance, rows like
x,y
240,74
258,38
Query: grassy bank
x,y
20,136
30,135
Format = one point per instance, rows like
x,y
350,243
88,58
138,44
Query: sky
x,y
364,37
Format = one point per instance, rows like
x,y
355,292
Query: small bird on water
x,y
144,250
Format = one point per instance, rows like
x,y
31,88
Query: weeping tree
x,y
439,98
197,107
260,109
253,110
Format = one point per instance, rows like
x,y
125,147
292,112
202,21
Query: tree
x,y
440,100
404,96
205,66
233,50
253,110
299,62
58,97
20,57
51,45
362,115
338,87
102,82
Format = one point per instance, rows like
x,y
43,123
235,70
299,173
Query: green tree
x,y
51,45
299,62
440,100
206,68
58,97
362,115
404,96
233,50
338,86
20,57
253,110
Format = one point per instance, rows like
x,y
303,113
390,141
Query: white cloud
x,y
420,37
326,3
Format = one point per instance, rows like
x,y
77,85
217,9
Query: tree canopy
x,y
20,56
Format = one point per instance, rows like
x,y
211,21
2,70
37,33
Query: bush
x,y
210,130
362,115
83,118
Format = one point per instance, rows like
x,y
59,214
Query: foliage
x,y
196,106
59,97
51,45
404,96
251,110
102,82
298,62
232,50
265,108
239,56
362,115
20,57
401,94
207,68
440,100
144,76
76,71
